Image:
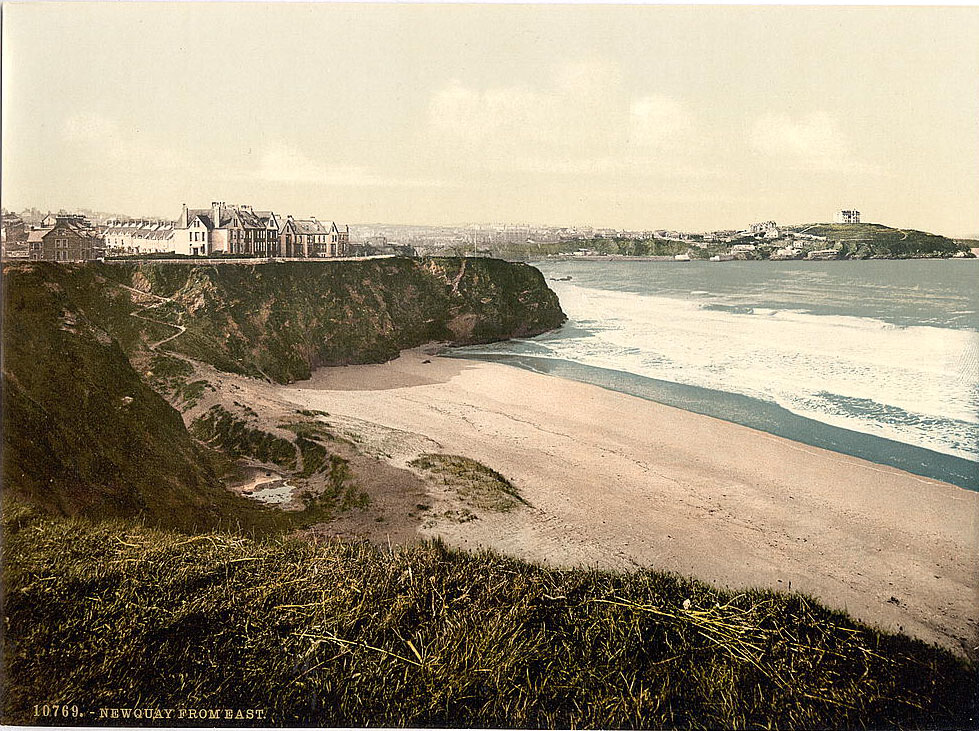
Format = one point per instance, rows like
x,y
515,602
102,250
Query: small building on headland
x,y
847,215
764,228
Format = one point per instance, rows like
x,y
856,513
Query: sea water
x,y
877,359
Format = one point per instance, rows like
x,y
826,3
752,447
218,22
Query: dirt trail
x,y
160,301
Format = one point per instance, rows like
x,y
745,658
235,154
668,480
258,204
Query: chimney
x,y
216,207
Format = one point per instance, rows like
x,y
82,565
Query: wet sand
x,y
619,482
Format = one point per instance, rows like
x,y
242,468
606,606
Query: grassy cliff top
x,y
115,615
875,239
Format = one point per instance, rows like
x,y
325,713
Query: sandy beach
x,y
619,482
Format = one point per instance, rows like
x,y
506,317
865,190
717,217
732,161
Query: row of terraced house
x,y
219,230
237,230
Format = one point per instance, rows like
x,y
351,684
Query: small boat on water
x,y
722,257
561,279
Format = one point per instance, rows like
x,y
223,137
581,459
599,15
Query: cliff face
x,y
282,320
84,430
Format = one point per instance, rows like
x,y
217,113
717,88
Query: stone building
x,y
848,215
312,238
764,227
226,229
14,230
71,238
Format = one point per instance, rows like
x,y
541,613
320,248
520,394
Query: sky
x,y
681,117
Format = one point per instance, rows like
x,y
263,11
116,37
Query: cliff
x,y
282,320
86,430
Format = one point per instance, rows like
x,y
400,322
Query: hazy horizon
x,y
677,117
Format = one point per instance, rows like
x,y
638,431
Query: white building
x,y
226,229
138,237
764,227
787,252
848,215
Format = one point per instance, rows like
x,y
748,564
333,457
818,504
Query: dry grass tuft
x,y
116,615
477,484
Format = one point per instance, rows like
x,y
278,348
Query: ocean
x,y
875,359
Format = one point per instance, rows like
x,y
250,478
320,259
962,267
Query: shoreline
x,y
763,416
617,481
668,258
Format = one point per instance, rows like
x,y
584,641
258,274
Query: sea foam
x,y
912,384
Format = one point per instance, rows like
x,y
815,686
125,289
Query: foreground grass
x,y
115,615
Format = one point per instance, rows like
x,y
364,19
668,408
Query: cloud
x,y
581,119
285,163
655,120
460,113
578,104
103,141
816,142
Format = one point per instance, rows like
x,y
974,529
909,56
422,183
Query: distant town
x,y
237,231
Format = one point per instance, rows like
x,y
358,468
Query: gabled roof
x,y
202,213
77,226
231,216
309,226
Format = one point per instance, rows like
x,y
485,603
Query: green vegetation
x,y
86,430
313,413
168,374
475,483
616,246
191,393
116,615
219,428
315,457
873,240
853,241
82,432
311,429
230,433
279,321
341,493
